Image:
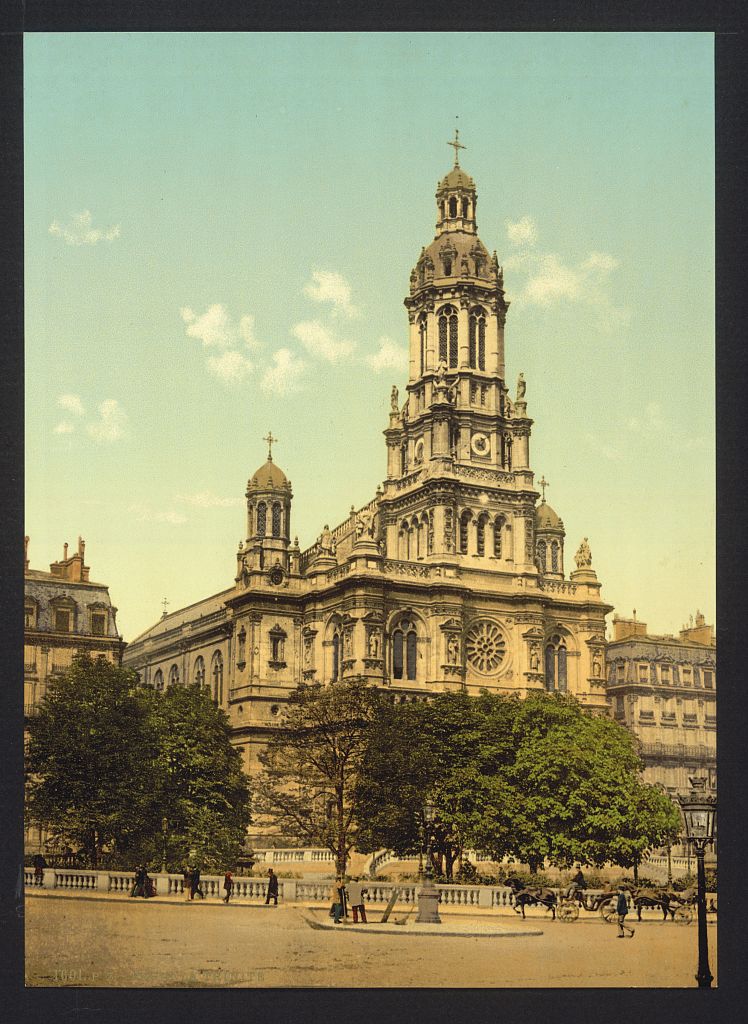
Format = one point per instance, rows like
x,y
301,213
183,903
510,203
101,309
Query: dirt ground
x,y
78,942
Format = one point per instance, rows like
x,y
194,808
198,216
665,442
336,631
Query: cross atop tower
x,y
270,440
542,482
164,603
457,145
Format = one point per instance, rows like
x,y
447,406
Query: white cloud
x,y
71,403
389,357
213,328
64,428
283,377
522,231
144,514
329,286
319,341
206,499
80,230
110,425
231,367
247,332
552,281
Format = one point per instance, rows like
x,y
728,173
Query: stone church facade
x,y
453,577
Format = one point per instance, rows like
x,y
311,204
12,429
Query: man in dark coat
x,y
622,908
195,889
39,865
228,885
272,893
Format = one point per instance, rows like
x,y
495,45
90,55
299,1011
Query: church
x,y
453,577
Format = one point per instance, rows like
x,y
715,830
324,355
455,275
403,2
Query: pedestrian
x,y
622,908
355,891
187,883
336,900
228,885
195,889
137,887
272,893
149,888
39,865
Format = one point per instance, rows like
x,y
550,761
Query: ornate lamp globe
x,y
699,811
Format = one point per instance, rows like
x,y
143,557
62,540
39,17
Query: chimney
x,y
65,551
623,628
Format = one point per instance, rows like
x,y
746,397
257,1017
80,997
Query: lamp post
x,y
699,813
428,894
164,827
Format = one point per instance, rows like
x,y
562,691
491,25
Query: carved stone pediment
x,y
451,626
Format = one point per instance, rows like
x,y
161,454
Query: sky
x,y
219,232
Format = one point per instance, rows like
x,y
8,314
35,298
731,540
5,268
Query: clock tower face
x,y
480,444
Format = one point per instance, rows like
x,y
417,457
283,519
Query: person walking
x,y
336,900
187,884
622,908
272,893
195,889
137,889
356,890
39,865
228,885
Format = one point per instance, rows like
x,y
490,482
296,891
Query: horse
x,y
524,897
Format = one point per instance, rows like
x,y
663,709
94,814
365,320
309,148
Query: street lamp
x,y
164,827
428,894
699,814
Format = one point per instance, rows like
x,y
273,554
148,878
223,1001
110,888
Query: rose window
x,y
485,647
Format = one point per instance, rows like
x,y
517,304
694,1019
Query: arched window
x,y
554,556
276,519
464,207
199,671
216,672
173,676
402,538
550,667
541,555
555,664
453,207
465,519
158,680
448,348
477,339
497,528
335,657
404,649
480,533
422,323
261,518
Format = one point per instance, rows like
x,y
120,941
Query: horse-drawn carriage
x,y
678,904
541,896
602,903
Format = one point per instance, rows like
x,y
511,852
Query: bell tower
x,y
269,498
458,423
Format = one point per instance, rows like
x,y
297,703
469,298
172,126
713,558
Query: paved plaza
x,y
123,942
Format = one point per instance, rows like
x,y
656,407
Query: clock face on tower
x,y
481,444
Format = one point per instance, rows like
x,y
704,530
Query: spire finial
x,y
271,441
542,482
164,603
457,145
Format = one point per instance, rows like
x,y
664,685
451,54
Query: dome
x,y
457,178
270,476
546,518
459,245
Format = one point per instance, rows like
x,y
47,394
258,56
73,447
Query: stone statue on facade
x,y
325,540
373,645
534,659
583,557
439,375
596,666
453,649
394,399
521,387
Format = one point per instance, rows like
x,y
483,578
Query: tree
x,y
453,751
312,762
88,754
200,789
108,764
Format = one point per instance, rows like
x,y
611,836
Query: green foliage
x,y
312,762
690,881
540,779
129,774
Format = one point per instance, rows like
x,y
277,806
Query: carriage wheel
x,y
567,912
608,911
683,915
